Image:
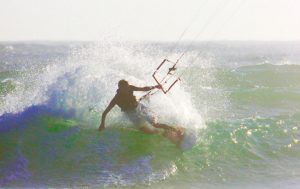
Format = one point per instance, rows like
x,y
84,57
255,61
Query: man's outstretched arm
x,y
145,88
109,107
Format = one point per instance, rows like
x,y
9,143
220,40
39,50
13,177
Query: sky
x,y
149,20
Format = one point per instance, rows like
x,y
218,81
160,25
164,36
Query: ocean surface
x,y
241,98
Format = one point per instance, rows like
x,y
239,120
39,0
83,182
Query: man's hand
x,y
158,86
101,127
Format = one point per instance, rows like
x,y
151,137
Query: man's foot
x,y
174,134
180,130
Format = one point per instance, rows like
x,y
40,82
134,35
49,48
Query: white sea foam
x,y
88,79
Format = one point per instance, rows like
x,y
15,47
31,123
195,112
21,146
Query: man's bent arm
x,y
109,107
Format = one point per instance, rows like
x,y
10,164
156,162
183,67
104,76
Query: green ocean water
x,y
246,112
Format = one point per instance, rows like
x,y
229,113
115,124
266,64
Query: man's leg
x,y
152,119
179,130
147,130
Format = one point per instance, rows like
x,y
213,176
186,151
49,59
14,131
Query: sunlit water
x,y
242,99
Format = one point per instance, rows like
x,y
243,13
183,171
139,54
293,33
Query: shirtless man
x,y
138,113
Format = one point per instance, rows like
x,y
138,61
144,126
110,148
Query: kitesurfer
x,y
138,113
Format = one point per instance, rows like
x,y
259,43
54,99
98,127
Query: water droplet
x,y
249,133
295,128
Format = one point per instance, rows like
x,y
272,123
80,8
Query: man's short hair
x,y
123,83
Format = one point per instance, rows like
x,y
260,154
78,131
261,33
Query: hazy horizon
x,y
149,41
134,20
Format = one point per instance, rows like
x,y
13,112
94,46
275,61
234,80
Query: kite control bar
x,y
168,75
162,81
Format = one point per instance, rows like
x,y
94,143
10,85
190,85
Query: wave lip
x,y
15,121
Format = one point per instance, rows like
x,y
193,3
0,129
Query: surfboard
x,y
183,138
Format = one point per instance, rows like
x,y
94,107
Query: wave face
x,y
241,99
